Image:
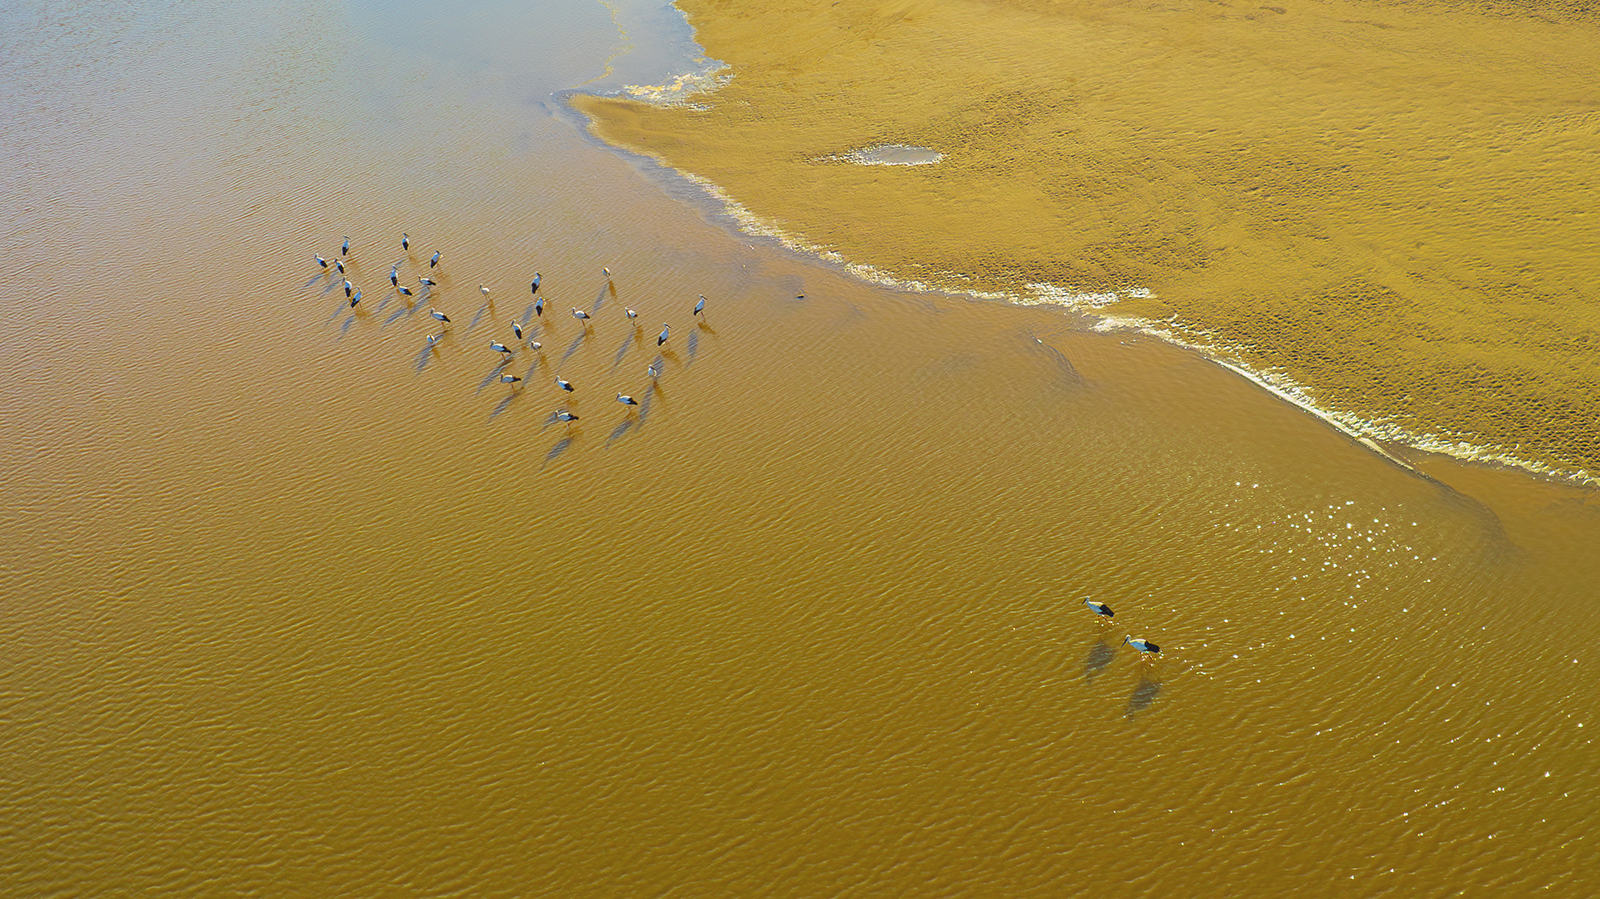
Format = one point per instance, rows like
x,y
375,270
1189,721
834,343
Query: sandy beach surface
x,y
297,605
1387,205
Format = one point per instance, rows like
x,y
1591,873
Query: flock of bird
x,y
1145,647
524,335
521,335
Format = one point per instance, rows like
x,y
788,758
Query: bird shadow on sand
x,y
694,347
609,291
315,279
1144,696
1101,653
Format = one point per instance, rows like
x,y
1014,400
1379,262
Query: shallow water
x,y
1383,206
297,605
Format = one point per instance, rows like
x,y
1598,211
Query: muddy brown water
x,y
296,606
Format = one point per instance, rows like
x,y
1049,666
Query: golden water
x,y
294,607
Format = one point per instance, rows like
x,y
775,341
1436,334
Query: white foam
x,y
680,90
1369,432
1046,294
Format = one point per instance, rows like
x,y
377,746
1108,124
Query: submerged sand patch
x,y
1390,206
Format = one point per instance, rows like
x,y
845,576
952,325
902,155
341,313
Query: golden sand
x,y
1390,205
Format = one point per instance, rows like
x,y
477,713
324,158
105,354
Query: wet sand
x,y
1385,205
298,607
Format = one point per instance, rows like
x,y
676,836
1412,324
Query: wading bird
x,y
516,328
632,315
626,400
439,315
652,371
536,279
509,379
1099,608
394,276
404,290
1144,646
580,315
322,262
355,299
536,346
345,250
483,290
500,348
405,241
435,260
433,340
666,331
538,307
348,287
564,384
700,307
566,416
428,281
339,264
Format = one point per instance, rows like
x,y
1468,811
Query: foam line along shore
x,y
1227,194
